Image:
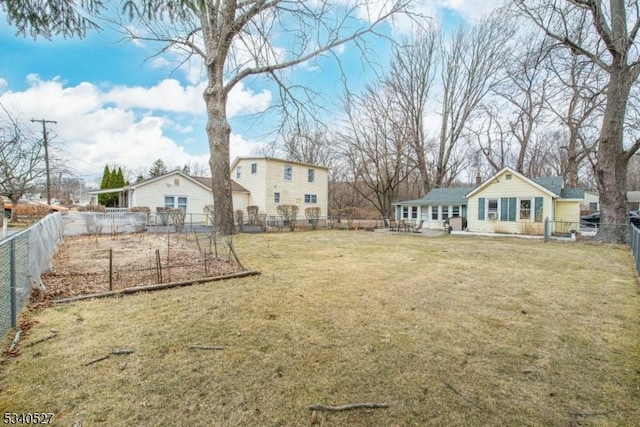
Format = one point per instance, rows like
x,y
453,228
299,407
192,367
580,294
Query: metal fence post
x,y
12,283
546,229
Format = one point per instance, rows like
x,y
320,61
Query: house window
x,y
288,172
492,209
593,206
176,182
310,198
508,176
238,171
405,212
174,202
525,209
276,197
254,168
434,213
508,207
414,212
455,211
311,175
538,208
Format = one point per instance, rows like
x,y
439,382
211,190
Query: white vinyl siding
x,y
152,194
502,199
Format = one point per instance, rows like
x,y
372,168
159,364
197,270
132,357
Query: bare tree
x,y
472,63
491,132
410,79
375,147
604,33
309,142
525,89
21,164
579,88
237,40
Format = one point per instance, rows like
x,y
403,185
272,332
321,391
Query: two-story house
x,y
271,182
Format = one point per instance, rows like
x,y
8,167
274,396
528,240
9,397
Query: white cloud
x,y
127,126
168,95
246,101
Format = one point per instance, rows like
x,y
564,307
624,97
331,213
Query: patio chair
x,y
415,228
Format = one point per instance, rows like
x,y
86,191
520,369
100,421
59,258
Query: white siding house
x,y
509,202
174,189
272,182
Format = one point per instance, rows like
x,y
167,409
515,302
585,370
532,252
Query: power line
x,y
46,153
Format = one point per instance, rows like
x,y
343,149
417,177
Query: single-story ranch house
x,y
507,202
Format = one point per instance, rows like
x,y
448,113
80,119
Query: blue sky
x,y
114,107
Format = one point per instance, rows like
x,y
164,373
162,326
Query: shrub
x,y
144,209
177,218
252,214
289,214
92,208
312,214
238,219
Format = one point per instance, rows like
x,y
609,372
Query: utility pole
x,y
46,154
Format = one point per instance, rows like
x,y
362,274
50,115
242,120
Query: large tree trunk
x,y
611,169
218,133
15,198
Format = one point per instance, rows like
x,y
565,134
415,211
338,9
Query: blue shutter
x,y
538,208
504,209
512,208
481,208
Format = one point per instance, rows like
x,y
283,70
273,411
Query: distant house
x,y
172,190
256,181
272,182
591,201
509,202
435,207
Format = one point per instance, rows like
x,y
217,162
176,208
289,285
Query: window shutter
x,y
481,208
512,208
504,209
539,205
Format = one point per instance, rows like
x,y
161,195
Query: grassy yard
x,y
452,330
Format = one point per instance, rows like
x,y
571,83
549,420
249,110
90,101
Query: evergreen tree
x,y
157,168
104,183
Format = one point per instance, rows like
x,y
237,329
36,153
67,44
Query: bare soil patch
x,y
92,264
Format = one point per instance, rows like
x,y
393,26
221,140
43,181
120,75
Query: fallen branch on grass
x,y
205,347
96,360
463,396
348,407
43,339
116,352
122,351
156,287
16,340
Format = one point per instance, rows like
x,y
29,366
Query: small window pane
x,y
238,171
434,213
288,172
525,209
169,201
312,175
254,167
276,197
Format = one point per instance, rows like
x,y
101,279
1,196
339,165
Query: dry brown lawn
x,y
448,331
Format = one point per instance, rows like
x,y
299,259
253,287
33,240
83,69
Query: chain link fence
x,y
23,258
